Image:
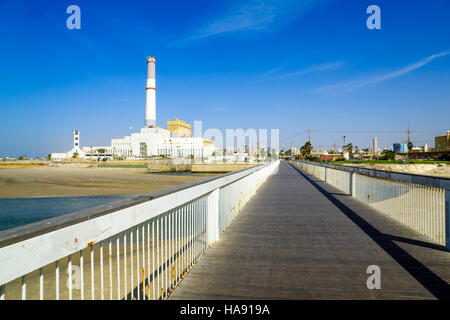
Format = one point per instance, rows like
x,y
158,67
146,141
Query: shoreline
x,y
50,182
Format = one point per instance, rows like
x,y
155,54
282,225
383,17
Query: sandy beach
x,y
65,181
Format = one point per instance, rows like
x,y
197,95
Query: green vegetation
x,y
306,149
388,155
101,150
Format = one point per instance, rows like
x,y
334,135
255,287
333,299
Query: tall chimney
x,y
150,96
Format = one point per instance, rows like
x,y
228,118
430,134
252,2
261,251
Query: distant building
x,y
375,145
400,147
327,157
442,143
75,152
179,128
175,141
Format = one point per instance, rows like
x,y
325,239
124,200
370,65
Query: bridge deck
x,y
299,238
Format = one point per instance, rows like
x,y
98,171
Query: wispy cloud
x,y
255,15
312,69
272,74
358,83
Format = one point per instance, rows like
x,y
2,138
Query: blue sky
x,y
233,64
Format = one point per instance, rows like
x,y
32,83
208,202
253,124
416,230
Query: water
x,y
20,211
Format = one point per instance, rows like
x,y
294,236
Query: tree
x,y
410,146
101,150
388,155
306,149
49,156
75,155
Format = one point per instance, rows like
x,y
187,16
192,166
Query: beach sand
x,y
64,181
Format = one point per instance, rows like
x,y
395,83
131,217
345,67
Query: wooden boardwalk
x,y
299,238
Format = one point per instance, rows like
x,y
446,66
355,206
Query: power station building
x,y
175,141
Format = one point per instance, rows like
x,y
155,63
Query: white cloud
x,y
256,15
312,69
358,83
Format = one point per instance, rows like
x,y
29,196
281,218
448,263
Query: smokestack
x,y
150,96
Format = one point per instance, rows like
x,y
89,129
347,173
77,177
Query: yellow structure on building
x,y
179,128
208,143
442,143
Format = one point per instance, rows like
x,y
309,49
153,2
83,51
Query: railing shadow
x,y
416,242
433,283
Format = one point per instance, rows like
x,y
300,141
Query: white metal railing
x,y
133,249
417,201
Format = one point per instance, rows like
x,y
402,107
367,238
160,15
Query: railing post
x,y
352,184
447,218
325,174
212,231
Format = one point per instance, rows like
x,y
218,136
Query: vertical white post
x,y
138,291
81,276
57,279
153,260
125,265
92,273
143,261
447,219
110,269
24,287
166,253
212,232
131,264
41,283
148,261
352,184
70,276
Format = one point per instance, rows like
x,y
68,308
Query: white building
x,y
157,141
75,152
151,140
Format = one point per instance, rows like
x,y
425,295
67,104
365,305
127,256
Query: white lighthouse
x,y
150,97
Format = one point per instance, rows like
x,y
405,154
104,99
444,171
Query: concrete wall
x,y
221,167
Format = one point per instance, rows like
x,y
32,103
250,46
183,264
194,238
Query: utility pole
x,y
309,139
409,134
409,143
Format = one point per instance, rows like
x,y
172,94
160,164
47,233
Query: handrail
x,y
20,233
418,201
425,180
177,225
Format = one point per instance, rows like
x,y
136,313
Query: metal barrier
x,y
139,248
417,201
